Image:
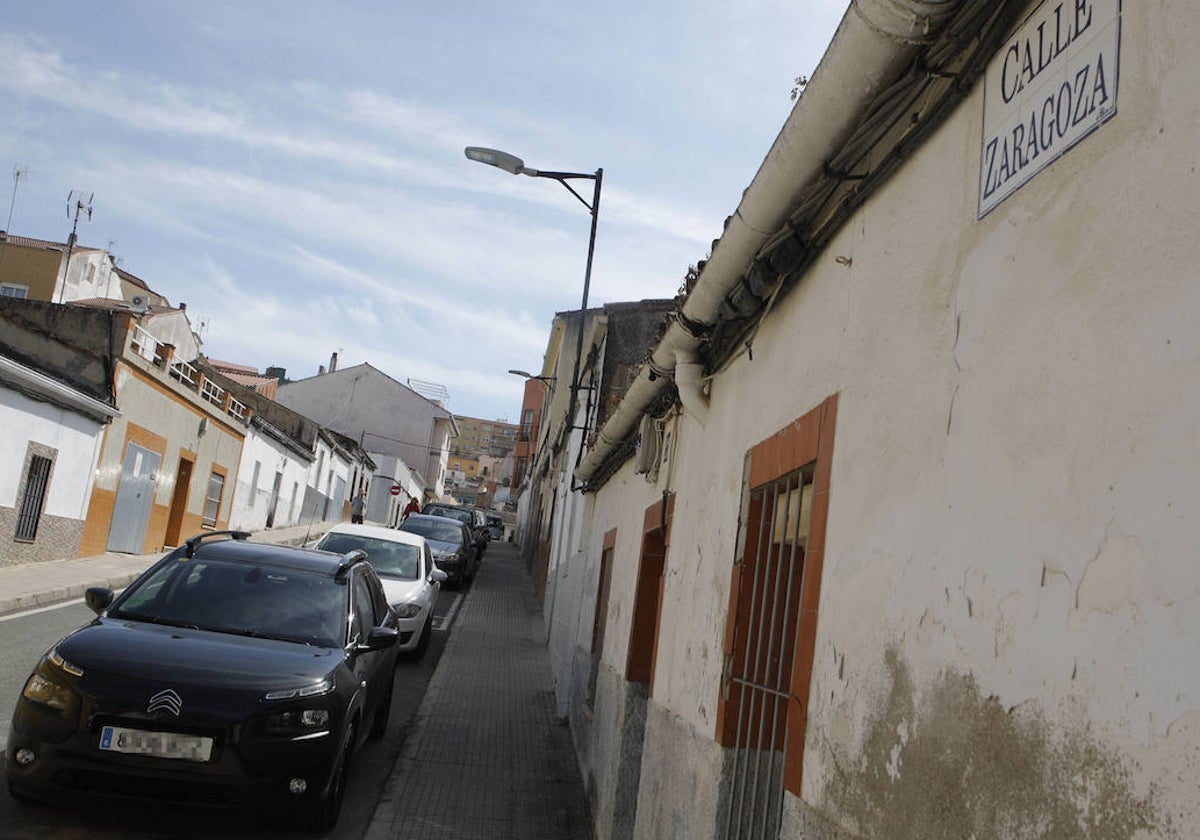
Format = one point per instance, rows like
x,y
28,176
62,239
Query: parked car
x,y
453,549
473,518
495,526
404,563
230,674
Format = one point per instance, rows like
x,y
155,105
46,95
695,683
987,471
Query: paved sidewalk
x,y
485,759
41,584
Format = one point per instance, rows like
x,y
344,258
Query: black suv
x,y
230,674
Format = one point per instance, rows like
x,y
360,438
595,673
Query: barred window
x,y
37,479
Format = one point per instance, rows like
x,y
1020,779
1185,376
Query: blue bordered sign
x,y
1051,84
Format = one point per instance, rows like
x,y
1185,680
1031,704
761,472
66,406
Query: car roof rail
x,y
194,542
349,559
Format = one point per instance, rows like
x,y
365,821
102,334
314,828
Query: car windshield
x,y
242,598
463,516
449,531
389,558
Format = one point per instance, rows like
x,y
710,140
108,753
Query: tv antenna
x,y
82,203
430,390
19,172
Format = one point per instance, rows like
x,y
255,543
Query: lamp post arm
x,y
564,177
587,282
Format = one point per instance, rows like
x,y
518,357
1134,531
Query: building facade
x,y
907,555
54,412
385,416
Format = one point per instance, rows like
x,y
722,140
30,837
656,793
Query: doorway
x,y
135,497
179,500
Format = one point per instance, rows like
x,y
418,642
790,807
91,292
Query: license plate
x,y
158,744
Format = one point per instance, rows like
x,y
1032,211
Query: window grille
x,y
37,479
759,670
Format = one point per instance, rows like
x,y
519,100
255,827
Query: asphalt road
x,y
28,635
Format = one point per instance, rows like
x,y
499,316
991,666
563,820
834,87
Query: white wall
x,y
76,439
250,504
1010,575
89,275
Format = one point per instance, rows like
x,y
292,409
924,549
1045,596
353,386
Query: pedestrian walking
x,y
412,507
357,507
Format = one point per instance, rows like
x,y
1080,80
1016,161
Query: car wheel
x,y
423,642
323,814
383,714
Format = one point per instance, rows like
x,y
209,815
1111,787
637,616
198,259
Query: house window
x,y
37,480
600,618
771,623
212,499
14,290
647,604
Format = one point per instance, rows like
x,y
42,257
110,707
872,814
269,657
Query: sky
x,y
294,172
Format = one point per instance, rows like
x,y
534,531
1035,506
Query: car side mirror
x,y
380,638
98,598
438,576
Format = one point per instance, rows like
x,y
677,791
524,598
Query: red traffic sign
x,y
395,491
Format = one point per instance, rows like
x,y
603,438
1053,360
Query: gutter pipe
x,y
38,386
874,42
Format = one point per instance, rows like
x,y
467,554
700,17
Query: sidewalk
x,y
485,759
42,584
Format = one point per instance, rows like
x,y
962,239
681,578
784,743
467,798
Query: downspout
x,y
874,42
689,379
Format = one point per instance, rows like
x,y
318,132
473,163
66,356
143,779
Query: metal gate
x,y
759,667
135,496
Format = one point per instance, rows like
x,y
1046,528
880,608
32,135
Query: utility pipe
x,y
874,42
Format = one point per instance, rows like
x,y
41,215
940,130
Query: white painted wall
x,y
76,439
251,503
1015,457
91,274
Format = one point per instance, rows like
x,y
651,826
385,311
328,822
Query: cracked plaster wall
x,y
1010,603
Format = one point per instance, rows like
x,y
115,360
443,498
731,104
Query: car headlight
x,y
407,610
55,659
298,722
314,690
47,693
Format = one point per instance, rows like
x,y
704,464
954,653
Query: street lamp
x,y
545,380
515,166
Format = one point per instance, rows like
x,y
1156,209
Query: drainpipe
x,y
874,42
689,379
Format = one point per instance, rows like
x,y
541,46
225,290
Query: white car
x,y
405,565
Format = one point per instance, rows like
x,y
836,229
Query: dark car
x,y
473,518
495,526
230,674
453,548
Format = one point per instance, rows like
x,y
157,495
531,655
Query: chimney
x,y
333,362
183,307
321,370
276,373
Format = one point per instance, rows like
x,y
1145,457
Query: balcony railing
x,y
215,394
144,344
185,373
149,348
